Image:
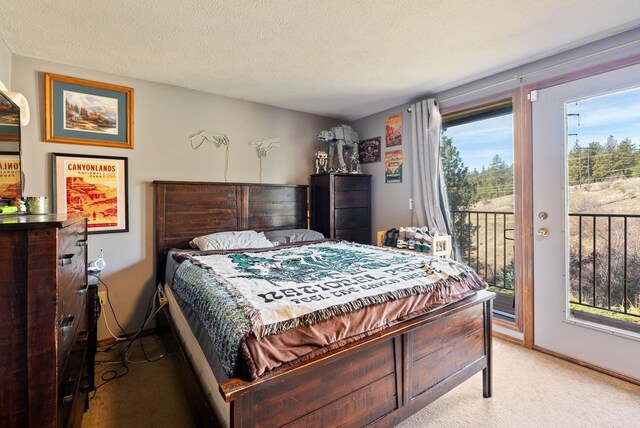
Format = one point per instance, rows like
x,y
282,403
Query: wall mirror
x,y
10,166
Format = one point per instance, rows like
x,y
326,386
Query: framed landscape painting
x,y
95,186
79,111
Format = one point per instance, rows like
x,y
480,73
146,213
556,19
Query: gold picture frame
x,y
80,111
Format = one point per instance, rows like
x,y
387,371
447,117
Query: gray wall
x,y
5,64
390,201
164,117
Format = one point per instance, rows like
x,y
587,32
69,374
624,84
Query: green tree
x,y
461,192
605,159
575,165
626,158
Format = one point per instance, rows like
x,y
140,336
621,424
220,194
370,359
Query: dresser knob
x,y
66,259
67,323
82,290
82,337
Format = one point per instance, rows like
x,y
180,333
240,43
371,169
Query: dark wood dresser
x,y
47,320
340,206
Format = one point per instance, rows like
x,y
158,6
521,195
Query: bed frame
x,y
377,381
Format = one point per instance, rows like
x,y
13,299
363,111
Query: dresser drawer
x,y
361,235
72,294
72,333
72,244
352,182
351,199
351,218
72,381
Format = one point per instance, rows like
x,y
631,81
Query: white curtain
x,y
430,202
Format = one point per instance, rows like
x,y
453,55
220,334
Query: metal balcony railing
x,y
486,242
604,257
604,262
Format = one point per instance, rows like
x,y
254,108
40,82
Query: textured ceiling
x,y
338,58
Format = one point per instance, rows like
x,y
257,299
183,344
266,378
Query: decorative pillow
x,y
278,237
231,240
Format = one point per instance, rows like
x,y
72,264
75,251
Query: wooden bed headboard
x,y
186,209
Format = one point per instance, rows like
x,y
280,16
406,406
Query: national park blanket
x,y
266,292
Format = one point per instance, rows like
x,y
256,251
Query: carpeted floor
x,y
530,389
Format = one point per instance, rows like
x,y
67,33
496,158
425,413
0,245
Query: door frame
x,y
526,127
522,185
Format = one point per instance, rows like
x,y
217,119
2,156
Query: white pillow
x,y
231,240
278,237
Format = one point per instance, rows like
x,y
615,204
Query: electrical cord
x,y
106,287
149,315
106,323
108,376
123,356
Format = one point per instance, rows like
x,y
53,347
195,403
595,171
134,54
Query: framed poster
x,y
393,130
369,150
393,166
9,120
92,185
9,175
79,111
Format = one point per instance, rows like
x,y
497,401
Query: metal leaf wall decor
x,y
263,147
202,136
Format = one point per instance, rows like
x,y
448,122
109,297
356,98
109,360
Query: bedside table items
x,y
8,210
321,161
419,239
36,204
354,164
343,138
19,204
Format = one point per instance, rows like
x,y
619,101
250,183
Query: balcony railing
x,y
604,260
486,242
604,263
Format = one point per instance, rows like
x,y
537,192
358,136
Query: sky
x,y
478,142
616,114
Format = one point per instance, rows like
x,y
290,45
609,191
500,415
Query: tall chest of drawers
x,y
340,206
47,320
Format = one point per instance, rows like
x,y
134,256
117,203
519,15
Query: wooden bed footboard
x,y
378,381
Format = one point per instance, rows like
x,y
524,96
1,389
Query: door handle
x,y
543,232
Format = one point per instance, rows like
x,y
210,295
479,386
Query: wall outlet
x,y
102,295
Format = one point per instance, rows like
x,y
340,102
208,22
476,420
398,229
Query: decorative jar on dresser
x,y
340,206
47,321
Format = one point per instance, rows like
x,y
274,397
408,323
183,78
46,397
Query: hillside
x,y
620,196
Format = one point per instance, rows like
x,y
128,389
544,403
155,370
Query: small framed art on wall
x,y
79,111
95,186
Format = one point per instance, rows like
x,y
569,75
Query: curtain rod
x,y
551,67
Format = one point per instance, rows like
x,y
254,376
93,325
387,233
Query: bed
x,y
376,380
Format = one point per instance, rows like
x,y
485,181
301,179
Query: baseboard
x,y
110,340
589,366
506,338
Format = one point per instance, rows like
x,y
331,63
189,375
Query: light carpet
x,y
530,389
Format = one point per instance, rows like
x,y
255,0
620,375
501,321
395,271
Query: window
x,y
478,162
